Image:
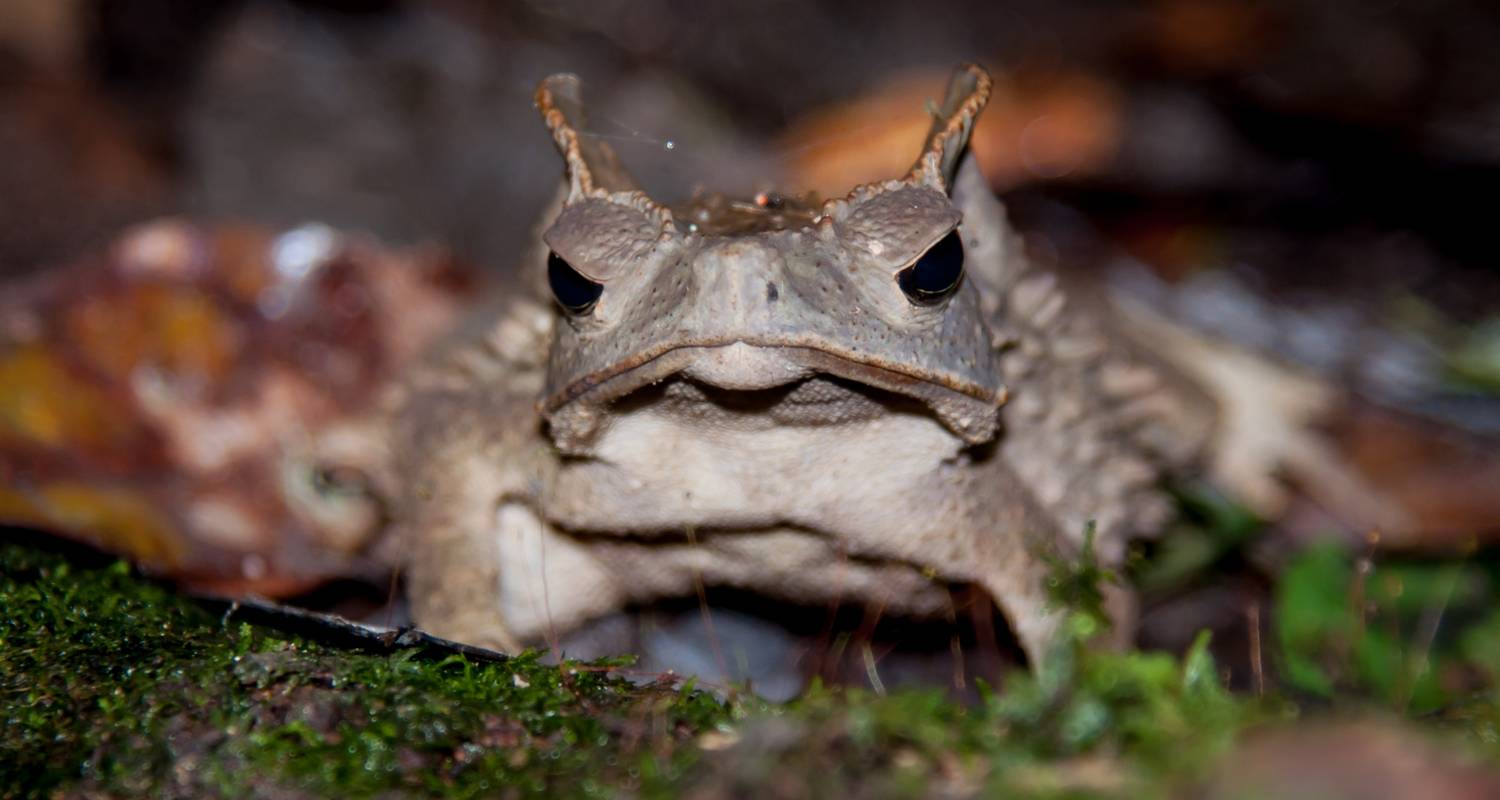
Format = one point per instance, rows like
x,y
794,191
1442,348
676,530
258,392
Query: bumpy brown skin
x,y
761,406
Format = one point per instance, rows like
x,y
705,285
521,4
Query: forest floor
x,y
1379,675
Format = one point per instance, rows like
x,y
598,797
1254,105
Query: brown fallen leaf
x,y
1038,126
205,401
1207,35
1444,478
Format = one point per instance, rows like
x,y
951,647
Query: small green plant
x,y
1076,585
1413,635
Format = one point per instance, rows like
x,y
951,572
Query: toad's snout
x,y
745,368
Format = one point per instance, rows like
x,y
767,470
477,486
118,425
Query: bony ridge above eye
x,y
574,292
935,275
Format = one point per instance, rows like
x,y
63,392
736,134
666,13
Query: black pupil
x,y
574,292
936,273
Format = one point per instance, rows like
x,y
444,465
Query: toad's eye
x,y
936,274
575,293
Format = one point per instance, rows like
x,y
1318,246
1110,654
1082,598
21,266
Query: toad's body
x,y
794,401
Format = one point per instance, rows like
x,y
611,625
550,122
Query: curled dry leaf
x,y
1037,126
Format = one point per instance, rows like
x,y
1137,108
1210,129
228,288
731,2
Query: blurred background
x,y
1365,132
1311,179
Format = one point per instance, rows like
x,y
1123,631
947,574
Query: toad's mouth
x,y
821,400
793,384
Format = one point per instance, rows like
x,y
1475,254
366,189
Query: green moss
x,y
113,684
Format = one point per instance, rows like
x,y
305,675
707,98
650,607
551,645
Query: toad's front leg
x,y
482,565
492,572
452,560
982,525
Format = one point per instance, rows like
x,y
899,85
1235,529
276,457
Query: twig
x,y
1432,619
1257,668
870,672
708,619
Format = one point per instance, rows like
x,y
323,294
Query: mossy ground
x,y
111,683
114,683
